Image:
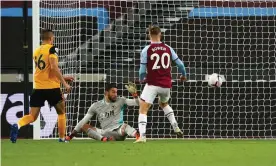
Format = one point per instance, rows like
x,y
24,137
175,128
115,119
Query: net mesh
x,y
101,41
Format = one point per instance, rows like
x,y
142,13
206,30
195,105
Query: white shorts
x,y
150,92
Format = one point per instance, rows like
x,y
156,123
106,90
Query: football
x,y
215,80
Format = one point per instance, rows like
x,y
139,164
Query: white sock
x,y
170,115
142,120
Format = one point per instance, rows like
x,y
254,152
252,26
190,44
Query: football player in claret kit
x,y
155,66
47,79
109,112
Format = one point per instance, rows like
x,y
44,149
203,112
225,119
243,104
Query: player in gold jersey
x,y
47,79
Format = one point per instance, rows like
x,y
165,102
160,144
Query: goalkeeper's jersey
x,y
110,115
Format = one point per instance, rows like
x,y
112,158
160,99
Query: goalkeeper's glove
x,y
183,78
131,87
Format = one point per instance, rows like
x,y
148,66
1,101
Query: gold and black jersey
x,y
43,77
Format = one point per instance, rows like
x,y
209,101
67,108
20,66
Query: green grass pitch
x,y
152,153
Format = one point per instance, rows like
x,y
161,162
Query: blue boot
x,y
62,140
14,133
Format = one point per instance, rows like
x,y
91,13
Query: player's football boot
x,y
141,140
110,139
137,136
67,138
62,140
178,132
104,139
14,133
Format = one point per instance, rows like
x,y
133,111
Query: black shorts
x,y
39,96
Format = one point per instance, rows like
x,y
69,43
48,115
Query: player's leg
x,y
36,102
94,133
114,135
25,120
164,96
56,99
142,119
60,108
122,132
30,118
126,129
147,97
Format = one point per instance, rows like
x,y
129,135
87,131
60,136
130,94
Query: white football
x,y
215,80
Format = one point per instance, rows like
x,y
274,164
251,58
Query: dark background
x,y
12,43
13,29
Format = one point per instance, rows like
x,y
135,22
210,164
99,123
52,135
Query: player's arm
x,y
132,102
143,65
179,63
84,121
68,78
132,89
54,67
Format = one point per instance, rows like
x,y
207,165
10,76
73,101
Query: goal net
x,y
101,41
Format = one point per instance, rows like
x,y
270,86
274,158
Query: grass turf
x,y
153,153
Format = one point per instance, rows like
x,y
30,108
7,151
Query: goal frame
x,y
36,43
37,132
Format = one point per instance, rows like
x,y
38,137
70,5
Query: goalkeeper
x,y
109,112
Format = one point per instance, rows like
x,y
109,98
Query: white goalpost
x,y
36,43
101,41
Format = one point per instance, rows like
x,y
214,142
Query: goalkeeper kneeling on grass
x,y
109,112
